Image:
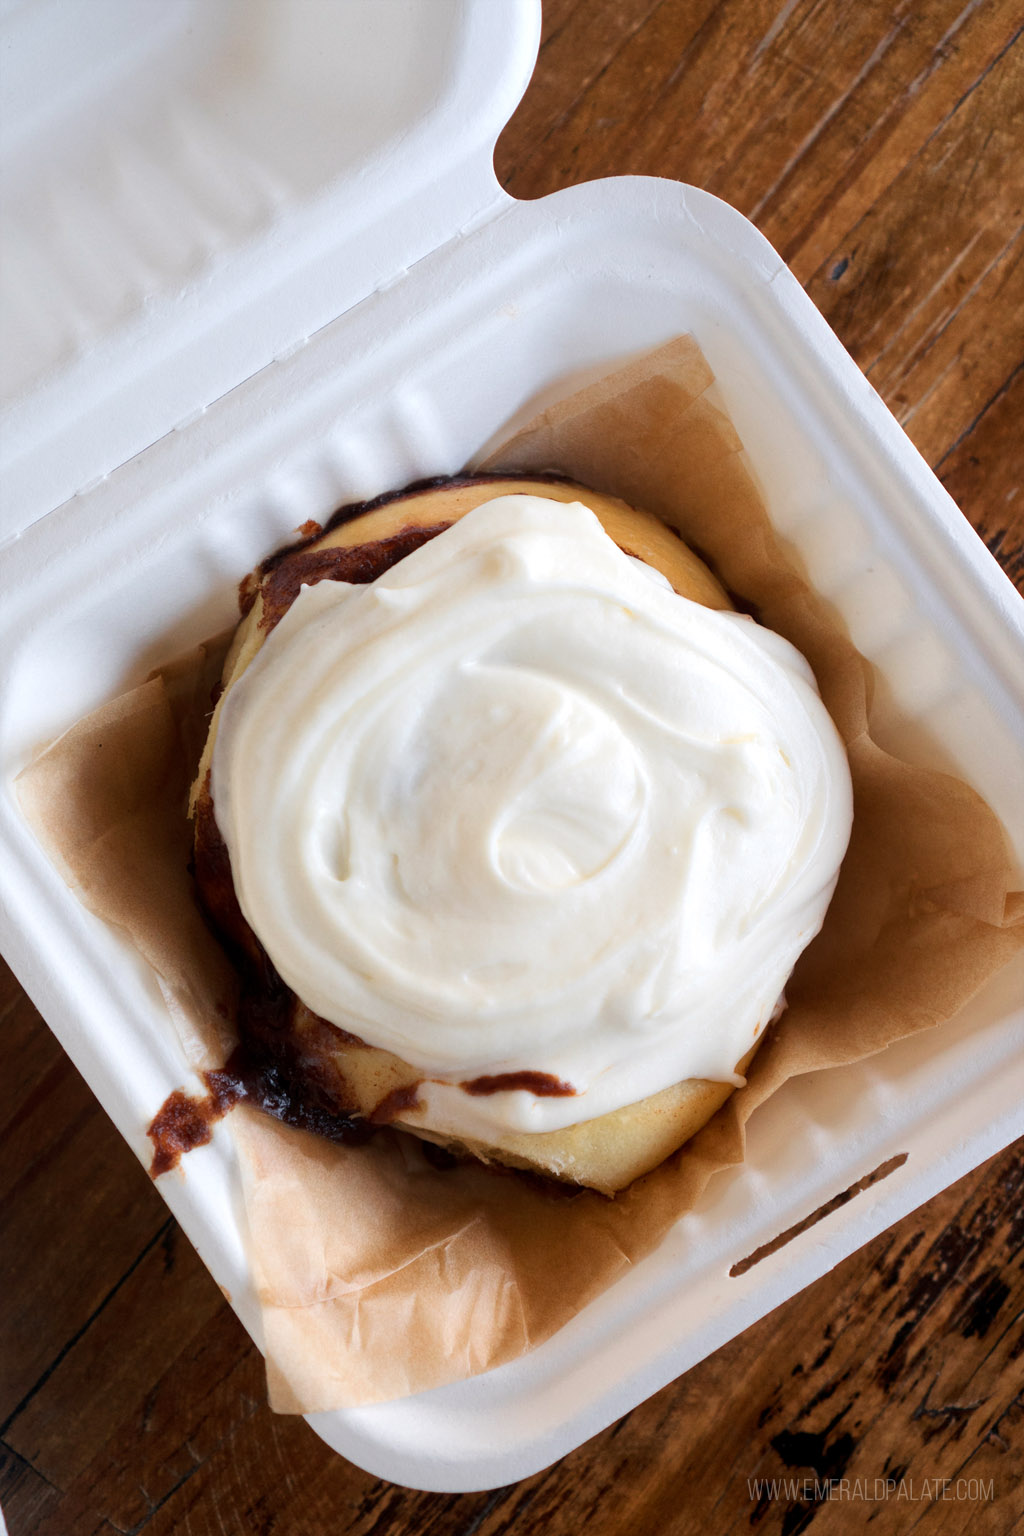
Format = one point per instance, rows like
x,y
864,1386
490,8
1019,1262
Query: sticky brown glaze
x,y
291,1055
360,564
543,1084
354,509
184,1122
398,1102
282,574
181,1124
287,1095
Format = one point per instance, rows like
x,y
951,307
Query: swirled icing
x,y
518,806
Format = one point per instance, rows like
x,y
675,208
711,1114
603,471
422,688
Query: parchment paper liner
x,y
378,1274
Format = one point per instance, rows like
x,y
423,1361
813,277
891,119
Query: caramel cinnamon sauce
x,y
396,1103
183,1122
543,1084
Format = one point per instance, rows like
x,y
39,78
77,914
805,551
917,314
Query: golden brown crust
x,y
606,1153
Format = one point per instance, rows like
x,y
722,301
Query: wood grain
x,y
879,147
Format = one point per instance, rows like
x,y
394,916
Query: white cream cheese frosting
x,y
518,806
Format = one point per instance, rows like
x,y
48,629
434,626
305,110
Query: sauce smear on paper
x,y
184,1122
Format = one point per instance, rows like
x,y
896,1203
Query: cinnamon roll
x,y
516,828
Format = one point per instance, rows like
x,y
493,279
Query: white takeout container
x,y
258,265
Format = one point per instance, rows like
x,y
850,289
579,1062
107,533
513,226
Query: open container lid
x,y
192,188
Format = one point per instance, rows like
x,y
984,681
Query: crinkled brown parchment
x,y
379,1274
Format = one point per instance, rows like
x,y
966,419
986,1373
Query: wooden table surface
x,y
878,145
